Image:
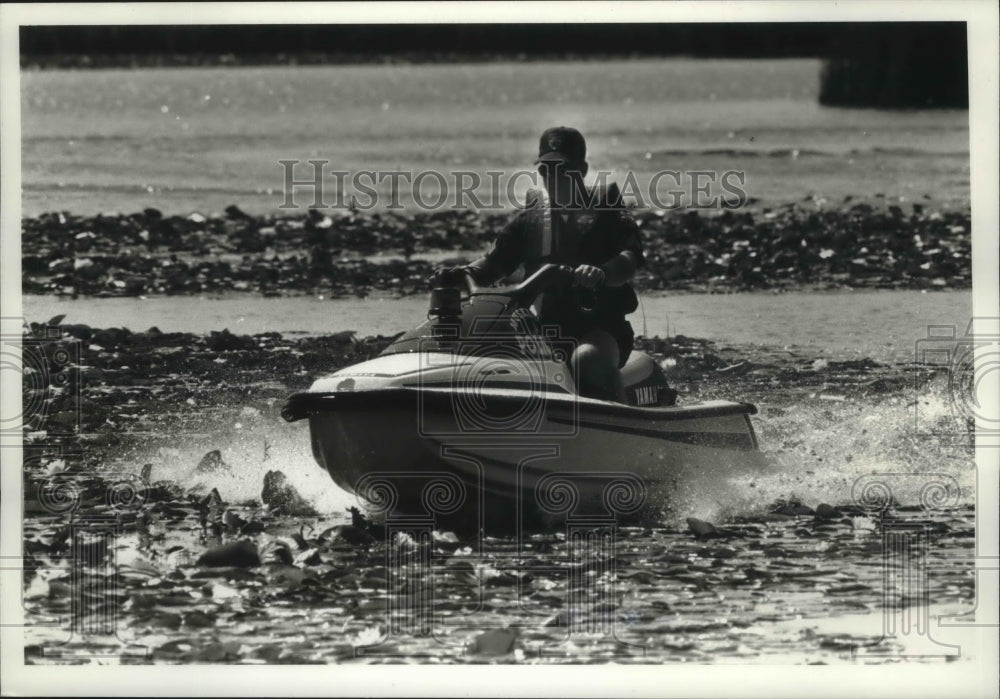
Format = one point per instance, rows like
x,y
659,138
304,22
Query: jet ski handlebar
x,y
546,276
447,285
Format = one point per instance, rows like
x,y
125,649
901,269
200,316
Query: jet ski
x,y
475,411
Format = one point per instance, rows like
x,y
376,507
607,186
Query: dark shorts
x,y
619,328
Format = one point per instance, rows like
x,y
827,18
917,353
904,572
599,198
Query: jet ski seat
x,y
644,382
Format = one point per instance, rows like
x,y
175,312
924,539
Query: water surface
x,y
883,325
184,139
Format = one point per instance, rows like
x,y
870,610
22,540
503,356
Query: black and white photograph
x,y
609,349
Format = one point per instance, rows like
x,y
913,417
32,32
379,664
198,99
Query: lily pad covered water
x,y
179,520
871,244
661,594
171,517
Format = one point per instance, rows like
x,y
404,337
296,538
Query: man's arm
x,y
622,235
620,269
503,257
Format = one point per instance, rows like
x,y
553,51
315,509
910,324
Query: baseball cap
x,y
562,144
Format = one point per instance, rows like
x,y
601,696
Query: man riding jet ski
x,y
588,229
476,401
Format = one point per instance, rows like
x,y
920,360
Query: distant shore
x,y
806,245
303,44
77,61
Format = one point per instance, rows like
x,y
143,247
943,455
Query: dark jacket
x,y
591,235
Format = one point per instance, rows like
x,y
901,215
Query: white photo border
x,y
978,677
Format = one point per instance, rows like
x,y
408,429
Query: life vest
x,y
553,239
542,245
